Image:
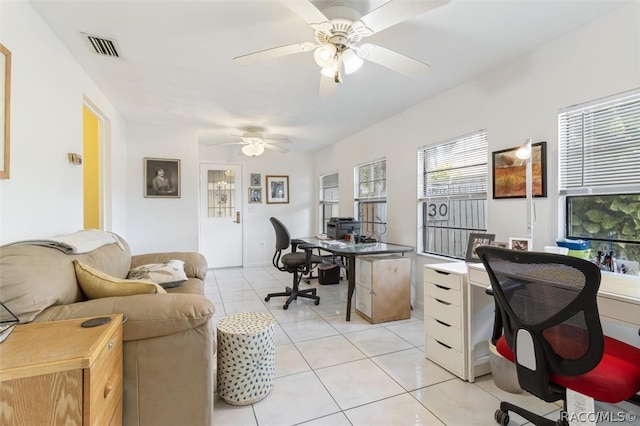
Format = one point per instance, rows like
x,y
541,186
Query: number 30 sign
x,y
438,211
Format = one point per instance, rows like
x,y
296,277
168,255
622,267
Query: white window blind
x,y
600,143
457,167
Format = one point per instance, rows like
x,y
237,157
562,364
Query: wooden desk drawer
x,y
447,357
444,311
104,381
446,294
445,279
444,333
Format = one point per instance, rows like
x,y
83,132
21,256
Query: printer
x,y
338,227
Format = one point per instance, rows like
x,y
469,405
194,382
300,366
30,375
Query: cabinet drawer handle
x,y
107,390
441,272
442,287
443,323
446,346
110,345
442,301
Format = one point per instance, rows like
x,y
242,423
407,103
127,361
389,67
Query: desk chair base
x,y
502,416
295,292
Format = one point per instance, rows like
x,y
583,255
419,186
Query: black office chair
x,y
552,331
297,262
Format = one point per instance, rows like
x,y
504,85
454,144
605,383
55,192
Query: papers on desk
x,y
322,237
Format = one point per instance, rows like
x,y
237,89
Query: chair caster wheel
x,y
266,299
317,302
285,307
502,417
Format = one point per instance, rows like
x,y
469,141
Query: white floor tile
x,y
232,415
295,399
411,369
315,328
338,419
289,361
412,331
397,411
357,383
327,351
377,341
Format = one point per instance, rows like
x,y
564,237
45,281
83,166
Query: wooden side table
x,y
59,373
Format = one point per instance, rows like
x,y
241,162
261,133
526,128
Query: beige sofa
x,y
169,340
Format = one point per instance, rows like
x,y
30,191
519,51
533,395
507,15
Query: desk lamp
x,y
525,153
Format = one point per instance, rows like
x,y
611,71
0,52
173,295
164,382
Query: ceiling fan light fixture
x,y
253,150
351,61
325,55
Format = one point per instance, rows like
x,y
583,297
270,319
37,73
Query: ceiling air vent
x,y
102,46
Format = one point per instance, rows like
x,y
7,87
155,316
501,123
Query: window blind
x,y
454,168
599,143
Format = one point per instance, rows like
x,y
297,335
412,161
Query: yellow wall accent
x,y
91,168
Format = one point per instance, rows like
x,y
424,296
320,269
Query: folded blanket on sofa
x,y
79,242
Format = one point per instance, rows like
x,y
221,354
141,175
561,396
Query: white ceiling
x,y
176,60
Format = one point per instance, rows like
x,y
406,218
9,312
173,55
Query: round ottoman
x,y
246,357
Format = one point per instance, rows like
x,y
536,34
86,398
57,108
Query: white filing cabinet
x,y
458,320
383,288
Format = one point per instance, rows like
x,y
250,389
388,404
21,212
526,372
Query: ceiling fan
x,y
337,34
254,142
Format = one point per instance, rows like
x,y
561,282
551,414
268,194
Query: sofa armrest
x,y
195,264
148,315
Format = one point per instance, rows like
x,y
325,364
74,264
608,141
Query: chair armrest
x,y
195,264
148,315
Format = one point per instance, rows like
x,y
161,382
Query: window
x,y
371,198
452,191
599,146
328,200
221,187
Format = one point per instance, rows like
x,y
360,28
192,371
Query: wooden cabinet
x,y
383,288
59,373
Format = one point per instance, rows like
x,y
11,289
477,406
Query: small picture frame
x,y
509,172
522,244
256,179
475,241
255,195
501,244
277,188
161,178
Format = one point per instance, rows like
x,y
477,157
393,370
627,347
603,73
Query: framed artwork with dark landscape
x,y
161,178
475,241
510,176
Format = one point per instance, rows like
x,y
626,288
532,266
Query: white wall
x,y
514,102
297,215
162,224
43,196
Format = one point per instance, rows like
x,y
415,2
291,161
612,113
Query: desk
x,y
351,251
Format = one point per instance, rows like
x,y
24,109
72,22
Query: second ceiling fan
x,y
337,34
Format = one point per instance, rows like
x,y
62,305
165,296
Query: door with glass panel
x,y
220,214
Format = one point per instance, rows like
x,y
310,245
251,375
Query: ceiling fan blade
x,y
227,143
275,148
328,86
392,13
277,140
275,52
308,13
392,60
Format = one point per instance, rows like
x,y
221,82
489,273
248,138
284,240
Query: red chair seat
x,y
616,377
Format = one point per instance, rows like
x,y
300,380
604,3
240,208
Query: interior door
x,y
221,226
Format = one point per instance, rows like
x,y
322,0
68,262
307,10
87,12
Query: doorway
x,y
221,229
91,183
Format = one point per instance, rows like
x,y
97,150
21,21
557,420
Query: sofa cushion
x,y
167,274
96,284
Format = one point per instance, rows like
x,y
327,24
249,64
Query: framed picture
x,y
510,172
5,107
475,241
256,179
501,244
522,244
277,189
255,195
161,178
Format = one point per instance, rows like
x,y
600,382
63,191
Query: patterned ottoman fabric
x,y
246,357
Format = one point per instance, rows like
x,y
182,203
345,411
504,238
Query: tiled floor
x,y
333,372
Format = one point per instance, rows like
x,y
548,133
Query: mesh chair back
x,y
553,297
283,238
